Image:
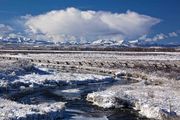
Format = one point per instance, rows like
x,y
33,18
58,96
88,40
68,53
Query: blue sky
x,y
166,10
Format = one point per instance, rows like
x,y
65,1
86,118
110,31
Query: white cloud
x,y
157,37
160,36
76,25
5,29
173,34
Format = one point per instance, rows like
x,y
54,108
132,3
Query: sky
x,y
90,20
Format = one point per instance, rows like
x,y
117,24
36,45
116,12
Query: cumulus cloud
x,y
158,37
73,24
4,29
173,34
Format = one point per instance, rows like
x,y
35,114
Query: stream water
x,y
77,108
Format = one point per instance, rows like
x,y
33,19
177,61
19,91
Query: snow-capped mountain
x,y
20,39
107,42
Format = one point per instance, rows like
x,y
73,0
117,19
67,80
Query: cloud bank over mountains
x,y
75,25
72,25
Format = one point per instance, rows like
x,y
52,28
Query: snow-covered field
x,y
25,72
152,100
155,93
95,56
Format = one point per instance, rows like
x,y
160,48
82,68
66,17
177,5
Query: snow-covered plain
x,y
59,78
157,97
25,72
149,99
109,56
155,93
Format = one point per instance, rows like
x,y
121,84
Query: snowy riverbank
x,y
16,111
22,79
153,101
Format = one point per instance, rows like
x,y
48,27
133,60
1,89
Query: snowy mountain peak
x,y
107,42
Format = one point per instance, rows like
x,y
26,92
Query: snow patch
x,y
13,110
149,99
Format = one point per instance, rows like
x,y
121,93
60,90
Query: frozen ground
x,y
155,98
21,77
154,92
10,72
95,56
23,72
16,111
58,78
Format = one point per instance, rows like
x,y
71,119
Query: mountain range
x,y
20,39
